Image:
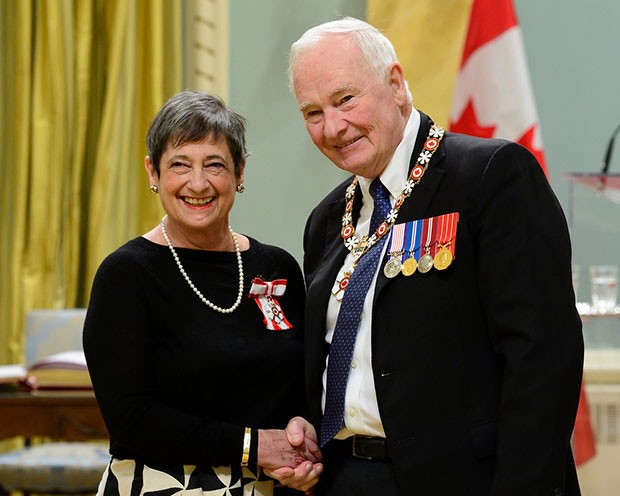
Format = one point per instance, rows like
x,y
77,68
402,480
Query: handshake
x,y
291,456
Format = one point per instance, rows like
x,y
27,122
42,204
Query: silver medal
x,y
392,268
425,263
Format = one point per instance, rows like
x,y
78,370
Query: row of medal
x,y
441,261
435,237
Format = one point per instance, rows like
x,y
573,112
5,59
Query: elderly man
x,y
444,352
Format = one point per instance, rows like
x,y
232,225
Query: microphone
x,y
610,147
607,158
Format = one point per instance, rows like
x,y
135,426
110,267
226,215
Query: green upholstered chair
x,y
50,331
55,467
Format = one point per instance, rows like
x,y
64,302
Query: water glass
x,y
604,287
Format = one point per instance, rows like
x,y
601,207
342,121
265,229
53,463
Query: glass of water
x,y
604,287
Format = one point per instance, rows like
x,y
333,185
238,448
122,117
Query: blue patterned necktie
x,y
348,322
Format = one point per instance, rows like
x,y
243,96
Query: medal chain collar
x,y
192,285
358,247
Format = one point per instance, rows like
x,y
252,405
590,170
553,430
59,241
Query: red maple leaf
x,y
468,124
527,140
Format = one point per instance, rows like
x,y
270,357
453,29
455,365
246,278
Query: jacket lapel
x,y
317,300
416,205
333,259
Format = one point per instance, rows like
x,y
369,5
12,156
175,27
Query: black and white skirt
x,y
132,478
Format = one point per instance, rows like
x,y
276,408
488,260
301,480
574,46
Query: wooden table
x,y
65,415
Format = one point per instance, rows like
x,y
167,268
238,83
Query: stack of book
x,y
65,370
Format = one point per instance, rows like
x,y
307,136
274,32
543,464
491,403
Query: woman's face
x,y
197,186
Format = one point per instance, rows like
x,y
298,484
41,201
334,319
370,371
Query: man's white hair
x,y
376,49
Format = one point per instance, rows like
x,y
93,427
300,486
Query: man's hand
x,y
300,431
302,438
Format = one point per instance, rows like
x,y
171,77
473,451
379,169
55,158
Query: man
x,y
466,353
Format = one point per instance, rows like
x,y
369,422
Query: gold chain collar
x,y
358,247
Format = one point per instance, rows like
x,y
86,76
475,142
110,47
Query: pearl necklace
x,y
191,284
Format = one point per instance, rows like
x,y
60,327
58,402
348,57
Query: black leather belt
x,y
366,447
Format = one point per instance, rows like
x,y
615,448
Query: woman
x,y
193,332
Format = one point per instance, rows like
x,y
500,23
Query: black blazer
x,y
478,367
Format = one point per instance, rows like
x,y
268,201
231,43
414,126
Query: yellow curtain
x,y
428,36
80,81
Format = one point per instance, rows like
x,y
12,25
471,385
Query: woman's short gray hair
x,y
192,116
377,50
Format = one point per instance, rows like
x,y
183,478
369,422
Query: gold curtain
x,y
428,36
80,81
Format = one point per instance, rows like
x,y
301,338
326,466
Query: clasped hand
x,y
291,456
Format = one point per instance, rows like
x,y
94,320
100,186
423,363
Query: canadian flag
x,y
493,98
584,443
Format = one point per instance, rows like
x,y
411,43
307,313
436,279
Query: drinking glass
x,y
604,287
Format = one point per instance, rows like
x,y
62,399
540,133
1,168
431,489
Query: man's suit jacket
x,y
477,368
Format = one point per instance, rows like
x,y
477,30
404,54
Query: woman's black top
x,y
176,381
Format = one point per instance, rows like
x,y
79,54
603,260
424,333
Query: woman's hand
x,y
303,478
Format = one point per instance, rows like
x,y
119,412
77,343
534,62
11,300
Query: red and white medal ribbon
x,y
446,231
396,242
266,295
427,233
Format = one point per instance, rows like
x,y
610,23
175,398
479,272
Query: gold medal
x,y
392,268
443,259
446,237
425,263
409,266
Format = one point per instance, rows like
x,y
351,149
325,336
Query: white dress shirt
x,y
361,411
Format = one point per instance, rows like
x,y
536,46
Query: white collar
x,y
394,176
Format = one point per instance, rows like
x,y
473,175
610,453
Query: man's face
x,y
355,119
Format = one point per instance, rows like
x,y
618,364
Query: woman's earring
x,y
154,189
240,188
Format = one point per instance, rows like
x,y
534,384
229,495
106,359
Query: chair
x,y
55,467
49,331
